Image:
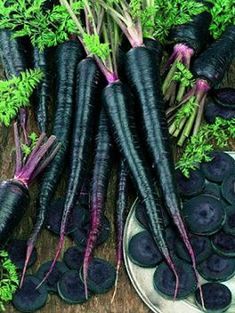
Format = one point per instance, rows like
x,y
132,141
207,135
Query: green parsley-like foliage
x,y
183,75
186,110
9,280
223,15
94,46
200,145
15,94
46,28
145,11
28,148
172,13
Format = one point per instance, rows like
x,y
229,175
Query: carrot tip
x,y
116,283
28,255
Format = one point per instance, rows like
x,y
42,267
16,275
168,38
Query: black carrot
x,y
42,92
68,55
143,76
120,215
12,54
209,69
14,62
88,83
14,195
189,40
118,102
100,179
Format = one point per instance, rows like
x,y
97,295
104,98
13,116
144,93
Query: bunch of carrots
x,y
111,93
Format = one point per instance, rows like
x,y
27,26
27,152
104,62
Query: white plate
x,y
141,278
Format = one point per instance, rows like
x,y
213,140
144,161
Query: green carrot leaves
x,y
15,94
200,145
173,13
9,280
28,148
183,75
94,46
46,28
223,15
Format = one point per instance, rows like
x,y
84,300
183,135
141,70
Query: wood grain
x,y
127,300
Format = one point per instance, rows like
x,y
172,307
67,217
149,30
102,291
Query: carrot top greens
x,y
172,13
28,148
15,94
223,15
204,142
45,28
9,280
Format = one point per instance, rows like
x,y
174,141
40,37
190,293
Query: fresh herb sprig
x,y
46,28
28,148
172,13
181,79
223,15
15,94
209,137
9,279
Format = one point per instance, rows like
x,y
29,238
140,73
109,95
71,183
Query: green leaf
x,y
223,15
9,279
172,13
183,75
15,94
199,146
46,28
94,46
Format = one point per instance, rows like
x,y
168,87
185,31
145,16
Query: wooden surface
x,y
127,300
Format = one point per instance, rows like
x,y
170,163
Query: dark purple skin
x,y
29,298
121,208
212,64
224,97
191,186
143,75
68,54
164,280
14,200
217,297
52,280
229,226
17,251
221,165
73,258
228,187
213,110
143,250
194,34
224,244
217,268
99,188
12,54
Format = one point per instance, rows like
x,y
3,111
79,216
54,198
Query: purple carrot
x,y
100,179
121,206
14,195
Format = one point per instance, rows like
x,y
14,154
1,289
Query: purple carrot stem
x,y
30,166
23,117
48,159
169,62
182,52
37,146
18,150
28,255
